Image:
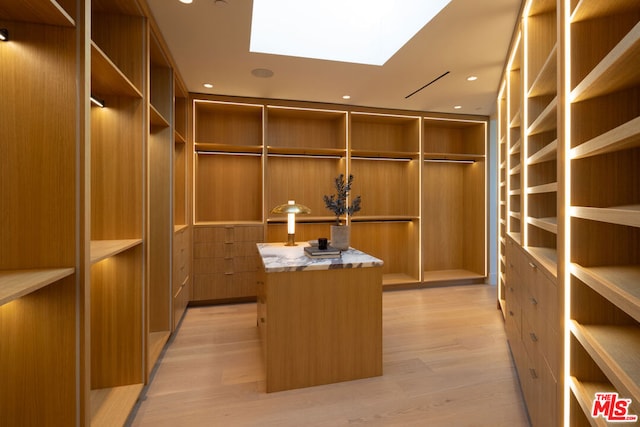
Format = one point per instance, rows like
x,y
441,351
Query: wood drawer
x,y
229,233
224,249
513,321
540,316
222,286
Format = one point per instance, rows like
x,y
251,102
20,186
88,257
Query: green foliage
x,y
337,203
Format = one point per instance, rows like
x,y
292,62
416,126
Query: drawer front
x,y
540,317
513,321
226,261
216,286
181,259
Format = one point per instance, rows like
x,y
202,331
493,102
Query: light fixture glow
x,y
291,208
357,31
4,34
208,85
457,107
346,97
186,1
472,78
96,101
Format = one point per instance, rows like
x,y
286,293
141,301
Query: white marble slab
x,y
276,257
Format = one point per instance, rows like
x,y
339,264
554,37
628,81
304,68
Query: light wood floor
x,y
446,363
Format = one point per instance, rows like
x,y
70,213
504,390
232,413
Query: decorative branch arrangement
x,y
337,203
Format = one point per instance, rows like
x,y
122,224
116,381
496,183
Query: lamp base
x,y
291,240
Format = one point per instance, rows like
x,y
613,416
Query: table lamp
x,y
291,209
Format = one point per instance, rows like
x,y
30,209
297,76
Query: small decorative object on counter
x,y
337,203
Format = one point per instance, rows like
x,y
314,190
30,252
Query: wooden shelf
x,y
546,81
549,152
396,279
384,218
306,152
588,9
18,283
179,227
585,392
616,71
516,147
548,224
282,219
41,12
450,275
384,155
548,257
111,406
621,215
618,284
239,222
454,157
516,170
179,137
102,249
156,119
106,77
545,188
517,237
620,138
516,215
516,121
227,148
542,6
615,350
547,120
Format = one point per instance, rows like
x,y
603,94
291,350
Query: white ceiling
x,y
209,41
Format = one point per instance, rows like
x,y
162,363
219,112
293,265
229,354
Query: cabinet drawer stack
x,y
181,270
531,323
226,262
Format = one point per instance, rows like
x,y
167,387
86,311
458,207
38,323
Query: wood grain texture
x,y
116,320
322,327
37,357
37,152
445,362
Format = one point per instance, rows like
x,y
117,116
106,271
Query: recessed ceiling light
x,y
357,31
457,107
208,85
346,97
186,1
472,78
264,73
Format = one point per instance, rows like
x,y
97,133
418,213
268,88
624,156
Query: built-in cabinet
x,y
39,278
568,207
86,259
414,174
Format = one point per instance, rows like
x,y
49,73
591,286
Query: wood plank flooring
x,y
445,359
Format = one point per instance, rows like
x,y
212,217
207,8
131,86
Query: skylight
x,y
358,31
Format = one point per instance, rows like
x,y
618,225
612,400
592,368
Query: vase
x,y
340,236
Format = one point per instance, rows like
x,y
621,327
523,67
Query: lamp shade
x,y
294,208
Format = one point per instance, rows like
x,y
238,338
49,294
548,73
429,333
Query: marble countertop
x,y
276,257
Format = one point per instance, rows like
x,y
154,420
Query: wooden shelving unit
x,y
273,151
580,207
85,265
182,277
38,268
605,218
306,151
384,156
160,225
118,143
453,198
229,167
